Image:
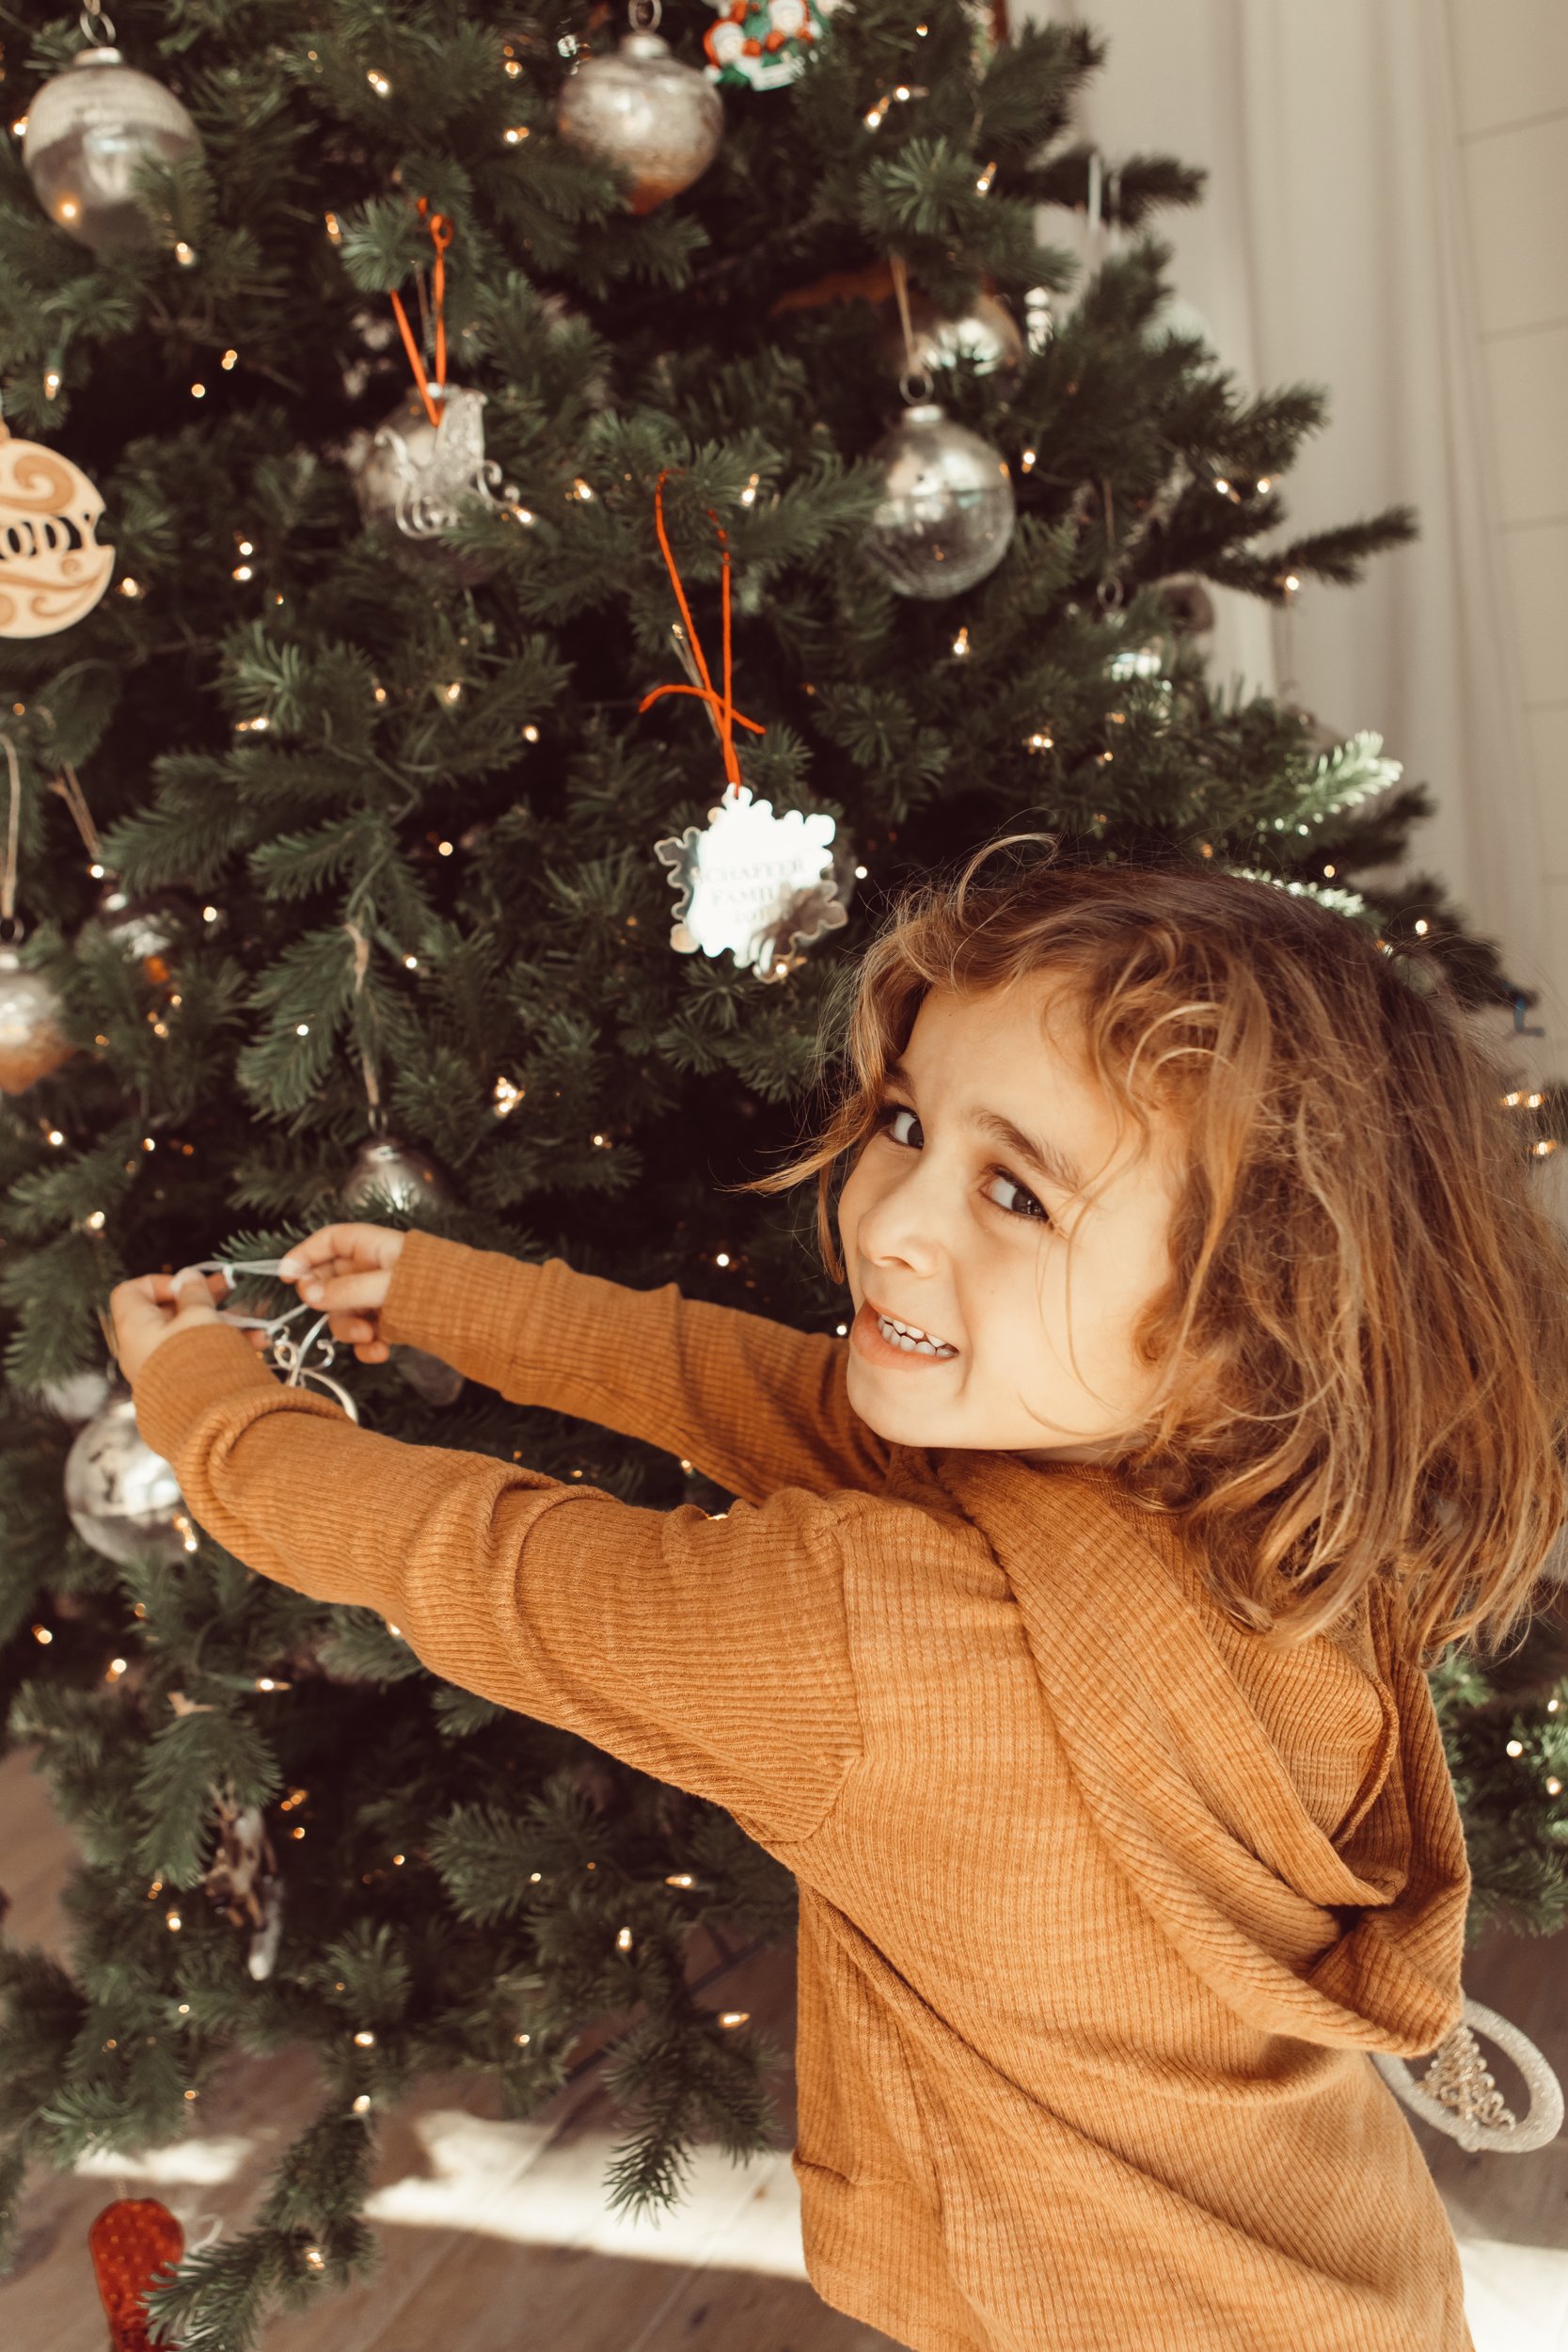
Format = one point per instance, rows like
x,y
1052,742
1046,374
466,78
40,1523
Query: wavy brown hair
x,y
1365,1340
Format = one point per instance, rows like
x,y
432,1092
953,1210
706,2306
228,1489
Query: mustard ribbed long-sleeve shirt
x,y
1102,1905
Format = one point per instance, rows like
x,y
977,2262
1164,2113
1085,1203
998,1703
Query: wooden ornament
x,y
52,571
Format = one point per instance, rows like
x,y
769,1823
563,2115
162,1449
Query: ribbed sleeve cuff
x,y
469,1306
186,1375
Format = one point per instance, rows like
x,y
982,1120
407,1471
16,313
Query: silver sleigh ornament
x,y
421,475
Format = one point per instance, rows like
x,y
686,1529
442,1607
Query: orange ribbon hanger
x,y
722,709
440,237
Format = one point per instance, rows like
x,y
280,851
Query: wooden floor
x,y
496,2234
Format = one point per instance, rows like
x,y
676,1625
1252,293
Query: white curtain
x,y
1334,248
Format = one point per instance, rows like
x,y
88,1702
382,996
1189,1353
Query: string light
x,y
1329,872
723,1258
1038,741
364,2039
198,391
362,2105
843,1330
521,515
522,2040
1553,1787
531,734
333,228
243,571
583,490
1516,1747
603,1141
94,1222
174,1921
1421,928
1292,581
247,546
185,254
54,1138
51,382
961,643
19,128
185,1531
623,1941
229,362
209,914
315,2258
1026,461
515,136
506,1097
410,964
732,2017
443,849
381,694
265,1682
115,1669
379,83
454,692
129,587
983,182
42,1636
748,496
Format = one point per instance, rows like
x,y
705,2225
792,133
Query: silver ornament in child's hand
x,y
752,883
51,568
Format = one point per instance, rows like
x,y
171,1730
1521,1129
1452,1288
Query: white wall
x,y
1387,217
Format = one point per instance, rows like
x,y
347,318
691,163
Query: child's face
x,y
936,1235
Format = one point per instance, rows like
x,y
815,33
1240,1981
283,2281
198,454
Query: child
x,y
1207,1373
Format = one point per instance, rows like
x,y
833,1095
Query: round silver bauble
x,y
32,1041
77,1397
985,334
389,1169
123,1498
657,120
384,1168
89,133
946,515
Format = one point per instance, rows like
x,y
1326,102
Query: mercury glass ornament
x,y
31,1040
984,333
77,1397
387,1169
946,515
89,133
657,120
123,1498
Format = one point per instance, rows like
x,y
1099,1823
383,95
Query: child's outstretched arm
x,y
712,1653
754,1404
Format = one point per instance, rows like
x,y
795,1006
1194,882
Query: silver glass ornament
x,y
89,133
659,122
946,515
387,1169
77,1397
985,334
419,475
123,1498
32,1043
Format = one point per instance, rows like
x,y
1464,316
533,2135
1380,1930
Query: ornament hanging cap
x,y
440,237
722,709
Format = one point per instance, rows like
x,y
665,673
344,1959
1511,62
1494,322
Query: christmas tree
x,y
334,815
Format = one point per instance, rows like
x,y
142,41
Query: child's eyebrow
x,y
1047,1159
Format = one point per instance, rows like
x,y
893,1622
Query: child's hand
x,y
346,1269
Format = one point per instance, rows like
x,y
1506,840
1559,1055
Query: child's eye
x,y
888,1113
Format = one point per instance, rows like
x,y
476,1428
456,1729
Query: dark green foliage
x,y
390,809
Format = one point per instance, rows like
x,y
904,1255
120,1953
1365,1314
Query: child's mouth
x,y
881,1342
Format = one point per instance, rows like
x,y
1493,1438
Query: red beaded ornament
x,y
131,2241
